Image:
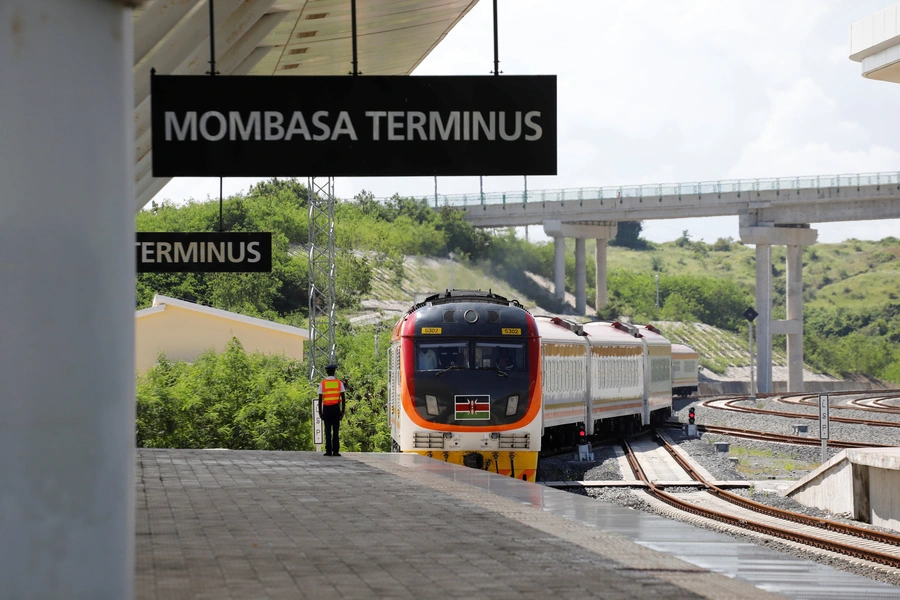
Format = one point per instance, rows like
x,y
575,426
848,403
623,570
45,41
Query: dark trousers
x,y
331,416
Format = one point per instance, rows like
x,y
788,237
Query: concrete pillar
x,y
559,267
794,299
580,277
67,339
794,236
764,308
600,263
598,230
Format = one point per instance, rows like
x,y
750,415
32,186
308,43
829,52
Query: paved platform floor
x,y
243,524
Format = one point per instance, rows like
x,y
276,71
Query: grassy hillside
x,y
391,251
853,274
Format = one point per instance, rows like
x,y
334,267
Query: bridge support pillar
x,y
794,301
600,264
601,231
764,308
765,235
559,267
580,277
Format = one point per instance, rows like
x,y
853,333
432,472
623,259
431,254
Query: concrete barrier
x,y
864,483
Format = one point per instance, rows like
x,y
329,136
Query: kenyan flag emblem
x,y
473,408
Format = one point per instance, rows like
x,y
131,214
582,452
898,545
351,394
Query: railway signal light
x,y
691,416
581,433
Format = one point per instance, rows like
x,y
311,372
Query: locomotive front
x,y
465,383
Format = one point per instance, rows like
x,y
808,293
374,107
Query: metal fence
x,y
665,189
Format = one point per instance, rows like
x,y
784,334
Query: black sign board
x,y
750,314
238,252
258,126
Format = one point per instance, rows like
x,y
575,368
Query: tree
x,y
461,237
628,235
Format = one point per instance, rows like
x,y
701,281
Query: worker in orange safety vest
x,y
332,404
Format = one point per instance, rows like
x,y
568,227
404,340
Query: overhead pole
x,y
321,275
322,347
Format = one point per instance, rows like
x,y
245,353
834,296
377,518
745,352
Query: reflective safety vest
x,y
331,391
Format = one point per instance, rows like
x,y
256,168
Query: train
x,y
474,379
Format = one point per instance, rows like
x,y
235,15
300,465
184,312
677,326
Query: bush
x,y
259,402
229,400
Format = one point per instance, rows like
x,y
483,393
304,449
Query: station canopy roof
x,y
281,38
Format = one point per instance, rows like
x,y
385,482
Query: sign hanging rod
x,y
496,43
212,38
212,72
353,26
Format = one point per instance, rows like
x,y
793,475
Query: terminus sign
x,y
353,126
237,252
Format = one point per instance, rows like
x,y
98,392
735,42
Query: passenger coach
x,y
602,377
685,370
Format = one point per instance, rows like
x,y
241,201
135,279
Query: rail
x,y
768,436
730,405
783,533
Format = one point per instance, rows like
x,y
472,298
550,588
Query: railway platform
x,y
247,524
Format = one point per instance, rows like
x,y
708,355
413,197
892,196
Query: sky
x,y
656,91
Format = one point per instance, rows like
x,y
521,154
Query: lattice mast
x,y
321,275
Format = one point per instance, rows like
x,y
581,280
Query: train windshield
x,y
503,356
432,356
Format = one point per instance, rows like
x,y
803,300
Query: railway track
x,y
870,403
848,540
766,436
731,404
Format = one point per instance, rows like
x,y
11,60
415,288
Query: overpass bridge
x,y
772,211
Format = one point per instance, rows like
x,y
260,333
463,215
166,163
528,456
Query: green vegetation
x,y
257,402
774,464
628,235
392,250
230,400
283,294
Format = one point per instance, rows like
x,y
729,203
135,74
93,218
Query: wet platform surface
x,y
246,524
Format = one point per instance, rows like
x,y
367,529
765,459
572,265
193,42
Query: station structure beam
x,y
158,19
233,52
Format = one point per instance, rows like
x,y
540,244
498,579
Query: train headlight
x,y
431,405
512,405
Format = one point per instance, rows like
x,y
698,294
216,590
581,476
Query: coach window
x,y
441,355
503,356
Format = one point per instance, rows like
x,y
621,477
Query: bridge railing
x,y
778,184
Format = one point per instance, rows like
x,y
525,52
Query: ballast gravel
x,y
756,461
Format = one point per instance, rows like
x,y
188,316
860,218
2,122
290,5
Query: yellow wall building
x,y
184,330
